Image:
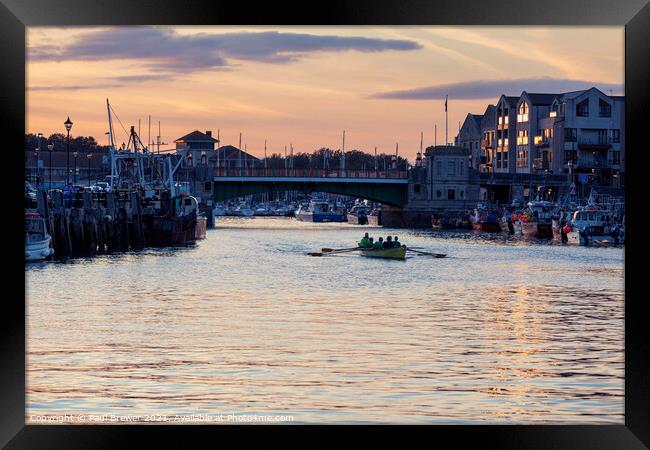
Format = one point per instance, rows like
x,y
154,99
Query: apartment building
x,y
504,153
469,137
488,136
586,137
530,108
580,134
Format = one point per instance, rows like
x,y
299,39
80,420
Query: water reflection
x,y
498,332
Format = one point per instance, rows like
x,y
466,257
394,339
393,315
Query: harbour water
x,y
245,323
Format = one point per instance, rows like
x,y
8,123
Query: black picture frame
x,y
15,15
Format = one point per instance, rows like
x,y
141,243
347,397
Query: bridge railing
x,y
308,173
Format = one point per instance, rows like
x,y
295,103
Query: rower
x,y
396,243
379,243
365,240
389,242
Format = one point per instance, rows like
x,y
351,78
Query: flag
x,y
446,102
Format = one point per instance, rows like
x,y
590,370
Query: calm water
x,y
247,324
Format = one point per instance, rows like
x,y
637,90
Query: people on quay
x,y
564,231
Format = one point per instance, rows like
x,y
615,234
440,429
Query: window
x,y
522,137
439,168
602,136
604,108
582,108
451,194
416,188
461,164
552,114
522,158
616,136
547,134
522,112
207,186
462,194
451,168
438,193
570,134
616,157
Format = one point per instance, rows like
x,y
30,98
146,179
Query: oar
x,y
330,250
333,250
437,255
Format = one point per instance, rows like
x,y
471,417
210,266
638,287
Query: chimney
x,y
209,133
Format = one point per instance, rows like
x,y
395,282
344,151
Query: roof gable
x,y
232,152
196,136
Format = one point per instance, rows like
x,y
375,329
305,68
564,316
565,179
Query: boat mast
x,y
112,146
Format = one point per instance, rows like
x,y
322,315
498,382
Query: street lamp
x,y
37,168
68,126
75,154
50,147
89,156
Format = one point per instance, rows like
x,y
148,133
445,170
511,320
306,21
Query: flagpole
x,y
446,122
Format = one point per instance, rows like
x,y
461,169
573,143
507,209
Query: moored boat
x,y
390,253
358,215
374,217
37,240
536,221
594,225
483,220
319,211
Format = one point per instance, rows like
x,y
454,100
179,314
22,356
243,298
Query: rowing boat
x,y
392,253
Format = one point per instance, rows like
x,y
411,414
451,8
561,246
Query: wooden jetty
x,y
90,223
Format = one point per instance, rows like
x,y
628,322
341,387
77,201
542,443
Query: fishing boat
x,y
594,225
483,220
358,215
37,240
319,211
175,224
390,253
536,221
374,217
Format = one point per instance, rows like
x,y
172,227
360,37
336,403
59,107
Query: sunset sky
x,y
303,85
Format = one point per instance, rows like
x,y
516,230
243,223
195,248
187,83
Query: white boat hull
x,y
38,250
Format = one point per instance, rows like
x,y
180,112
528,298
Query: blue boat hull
x,y
308,217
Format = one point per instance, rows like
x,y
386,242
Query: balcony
x,y
541,164
541,141
594,143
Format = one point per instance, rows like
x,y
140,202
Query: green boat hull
x,y
391,253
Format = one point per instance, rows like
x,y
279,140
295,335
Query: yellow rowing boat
x,y
392,253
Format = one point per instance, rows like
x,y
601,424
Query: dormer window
x,y
582,108
522,112
604,109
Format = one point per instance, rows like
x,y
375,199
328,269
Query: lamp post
x,y
50,147
36,151
68,126
89,156
75,154
188,169
37,168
